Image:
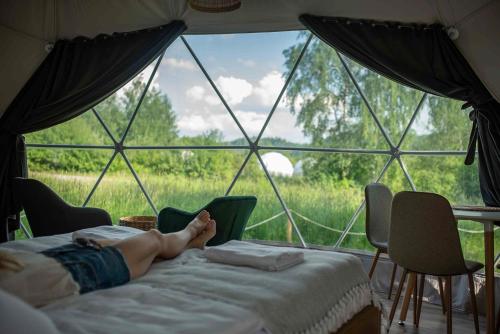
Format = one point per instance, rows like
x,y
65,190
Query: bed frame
x,y
367,321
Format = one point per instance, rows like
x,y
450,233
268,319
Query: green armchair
x,y
231,214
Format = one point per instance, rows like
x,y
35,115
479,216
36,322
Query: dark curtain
x,y
76,75
425,58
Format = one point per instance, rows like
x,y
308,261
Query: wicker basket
x,y
144,223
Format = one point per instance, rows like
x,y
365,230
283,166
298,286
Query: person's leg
x,y
141,250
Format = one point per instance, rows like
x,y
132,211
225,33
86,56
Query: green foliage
x,y
332,112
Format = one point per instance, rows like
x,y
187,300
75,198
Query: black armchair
x,y
48,214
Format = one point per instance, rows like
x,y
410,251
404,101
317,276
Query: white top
x,y
39,280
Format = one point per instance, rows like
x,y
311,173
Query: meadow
x,y
329,204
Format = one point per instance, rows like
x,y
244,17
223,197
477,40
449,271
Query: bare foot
x,y
201,240
198,225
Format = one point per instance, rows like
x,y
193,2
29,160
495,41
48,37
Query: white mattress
x,y
191,295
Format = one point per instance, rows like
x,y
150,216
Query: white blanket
x,y
190,294
241,253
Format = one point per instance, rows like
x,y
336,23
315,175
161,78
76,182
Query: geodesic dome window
x,y
279,115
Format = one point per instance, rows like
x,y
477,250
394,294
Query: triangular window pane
x,y
119,194
82,130
70,173
186,179
447,176
322,190
117,109
393,103
181,108
440,125
321,106
268,220
248,69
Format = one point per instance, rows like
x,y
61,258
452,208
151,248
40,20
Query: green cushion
x,y
231,214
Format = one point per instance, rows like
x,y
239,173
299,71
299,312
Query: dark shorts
x,y
92,268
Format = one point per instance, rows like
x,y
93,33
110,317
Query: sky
x,y
248,71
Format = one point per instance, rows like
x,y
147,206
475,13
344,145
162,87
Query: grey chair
x,y
49,214
424,240
378,219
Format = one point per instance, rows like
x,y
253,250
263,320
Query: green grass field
x,y
331,205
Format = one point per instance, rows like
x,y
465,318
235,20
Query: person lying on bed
x,y
87,265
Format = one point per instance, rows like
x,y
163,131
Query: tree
x,y
155,120
332,112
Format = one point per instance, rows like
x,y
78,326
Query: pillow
x,y
19,317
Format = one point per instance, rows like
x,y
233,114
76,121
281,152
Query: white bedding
x,y
191,295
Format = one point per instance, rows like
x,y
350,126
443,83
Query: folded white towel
x,y
241,253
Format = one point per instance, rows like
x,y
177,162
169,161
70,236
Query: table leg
x,y
490,276
406,301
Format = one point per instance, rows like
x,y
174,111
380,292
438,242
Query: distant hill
x,y
274,141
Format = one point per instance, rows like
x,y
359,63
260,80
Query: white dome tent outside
x,y
298,169
277,164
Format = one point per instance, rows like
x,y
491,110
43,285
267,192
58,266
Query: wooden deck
x,y
432,321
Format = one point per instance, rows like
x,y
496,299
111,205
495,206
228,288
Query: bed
x,y
328,293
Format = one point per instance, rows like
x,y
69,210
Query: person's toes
x,y
199,224
208,233
211,229
204,216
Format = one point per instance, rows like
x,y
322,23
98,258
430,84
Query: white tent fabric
x,y
28,26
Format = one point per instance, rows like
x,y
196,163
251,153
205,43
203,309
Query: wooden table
x,y
485,216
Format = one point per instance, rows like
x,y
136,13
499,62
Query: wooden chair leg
x,y
394,268
374,263
441,293
420,296
448,305
415,299
472,293
396,298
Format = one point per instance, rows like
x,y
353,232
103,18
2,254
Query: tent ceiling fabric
x,y
27,26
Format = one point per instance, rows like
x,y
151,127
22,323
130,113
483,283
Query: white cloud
x,y
192,123
246,62
283,125
269,88
212,100
233,89
146,74
179,63
251,121
204,119
196,93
